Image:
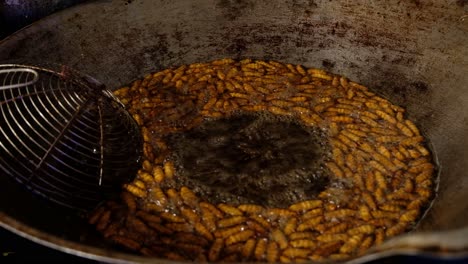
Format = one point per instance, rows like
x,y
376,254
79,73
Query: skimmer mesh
x,y
65,137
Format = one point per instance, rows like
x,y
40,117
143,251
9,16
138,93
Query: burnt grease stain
x,y
328,64
249,158
233,9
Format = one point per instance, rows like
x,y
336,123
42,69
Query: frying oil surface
x,y
247,158
264,161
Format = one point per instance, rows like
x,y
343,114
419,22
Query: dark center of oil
x,y
249,158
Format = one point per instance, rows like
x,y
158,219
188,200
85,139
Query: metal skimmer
x,y
64,136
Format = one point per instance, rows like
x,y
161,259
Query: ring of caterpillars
x,y
377,151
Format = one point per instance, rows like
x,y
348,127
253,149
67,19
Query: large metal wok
x,y
413,52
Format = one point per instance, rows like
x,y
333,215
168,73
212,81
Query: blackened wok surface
x,y
413,52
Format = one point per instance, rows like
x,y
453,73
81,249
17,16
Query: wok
x,y
415,53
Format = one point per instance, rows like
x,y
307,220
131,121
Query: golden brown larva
x,y
378,152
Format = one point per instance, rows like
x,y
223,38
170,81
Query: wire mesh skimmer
x,y
64,136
